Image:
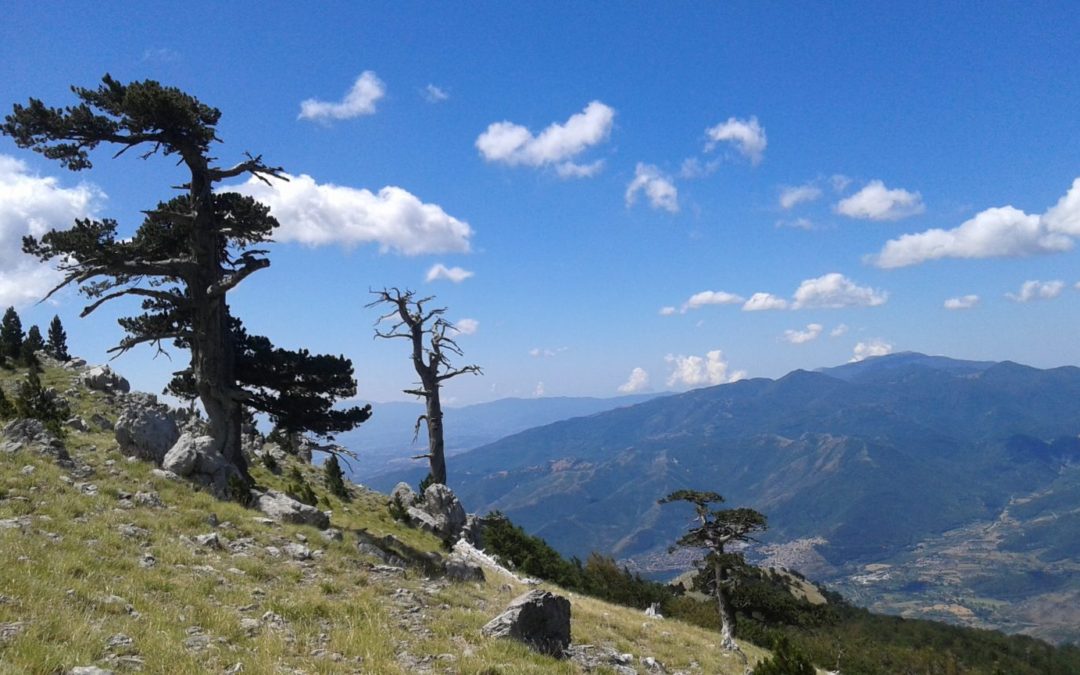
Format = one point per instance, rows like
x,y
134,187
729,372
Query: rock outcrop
x,y
104,378
31,435
538,618
438,512
285,509
146,428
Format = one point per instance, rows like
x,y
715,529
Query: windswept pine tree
x,y
189,252
32,344
57,343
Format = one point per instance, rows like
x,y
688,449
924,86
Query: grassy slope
x,y
72,581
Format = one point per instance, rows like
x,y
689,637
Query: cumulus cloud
x,y
877,202
319,214
515,145
839,330
441,271
695,371
748,137
466,326
995,232
638,381
433,94
834,291
1037,290
33,205
668,311
661,192
798,337
761,302
874,347
699,300
962,302
793,196
360,100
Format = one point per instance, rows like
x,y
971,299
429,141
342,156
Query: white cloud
x,y
1037,290
638,381
699,300
798,337
693,168
839,182
661,192
798,223
695,371
792,196
874,347
834,291
538,392
466,326
441,271
761,302
33,205
994,232
360,100
748,136
319,214
537,352
877,202
839,330
515,145
668,311
433,94
962,302
572,170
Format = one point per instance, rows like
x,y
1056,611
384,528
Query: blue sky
x,y
611,189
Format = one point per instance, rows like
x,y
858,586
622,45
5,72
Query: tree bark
x,y
213,359
436,454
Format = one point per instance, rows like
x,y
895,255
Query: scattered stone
x,y
273,551
209,541
10,630
20,523
147,560
539,619
161,473
78,424
404,493
212,520
653,611
332,534
88,489
27,470
119,641
89,670
150,500
75,363
284,508
298,551
103,378
274,621
250,626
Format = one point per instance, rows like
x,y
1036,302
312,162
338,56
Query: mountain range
x,y
386,441
866,472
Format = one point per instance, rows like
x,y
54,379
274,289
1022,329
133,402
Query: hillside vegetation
x,y
107,564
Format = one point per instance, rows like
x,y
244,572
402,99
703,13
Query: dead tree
x,y
414,322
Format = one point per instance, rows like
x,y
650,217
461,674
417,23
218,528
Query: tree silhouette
x,y
189,252
57,342
714,530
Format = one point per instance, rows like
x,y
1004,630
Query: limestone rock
x,y
31,435
185,456
459,568
285,509
439,512
403,493
103,378
538,618
146,429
